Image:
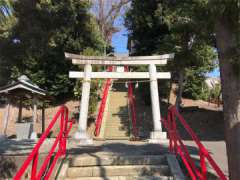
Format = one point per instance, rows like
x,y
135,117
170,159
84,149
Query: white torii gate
x,y
156,135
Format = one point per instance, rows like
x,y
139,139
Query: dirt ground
x,y
49,113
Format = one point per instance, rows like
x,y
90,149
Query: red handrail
x,y
177,146
131,100
133,110
102,105
60,141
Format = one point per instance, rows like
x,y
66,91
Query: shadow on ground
x,y
207,124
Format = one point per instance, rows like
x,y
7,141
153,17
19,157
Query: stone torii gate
x,y
152,61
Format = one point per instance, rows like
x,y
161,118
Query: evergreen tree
x,y
211,22
44,31
164,27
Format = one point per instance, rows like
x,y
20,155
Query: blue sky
x,y
119,39
214,73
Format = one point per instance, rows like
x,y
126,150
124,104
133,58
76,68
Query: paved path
x,y
20,149
122,147
217,150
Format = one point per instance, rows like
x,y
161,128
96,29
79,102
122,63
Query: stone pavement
x,y
20,149
114,147
217,150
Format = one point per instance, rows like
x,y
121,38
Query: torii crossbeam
x,y
156,135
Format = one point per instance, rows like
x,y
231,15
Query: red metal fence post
x,y
181,149
60,146
34,166
60,142
170,131
65,133
203,164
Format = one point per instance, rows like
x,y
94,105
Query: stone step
x,y
118,123
125,134
117,111
117,114
119,95
116,137
118,99
128,170
117,117
106,160
116,132
112,117
117,128
124,178
114,121
118,103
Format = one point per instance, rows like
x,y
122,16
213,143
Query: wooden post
x,y
43,117
34,134
34,109
20,111
6,117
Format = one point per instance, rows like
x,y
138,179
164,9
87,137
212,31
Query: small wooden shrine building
x,y
17,93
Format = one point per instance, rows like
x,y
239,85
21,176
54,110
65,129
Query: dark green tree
x,y
159,26
43,32
213,22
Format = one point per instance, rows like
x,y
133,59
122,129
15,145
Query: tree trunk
x,y
226,45
180,89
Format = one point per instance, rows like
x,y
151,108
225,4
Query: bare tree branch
x,y
106,16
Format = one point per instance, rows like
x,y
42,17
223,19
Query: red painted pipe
x,y
60,141
177,146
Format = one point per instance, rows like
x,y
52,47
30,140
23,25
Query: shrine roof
x,y
23,83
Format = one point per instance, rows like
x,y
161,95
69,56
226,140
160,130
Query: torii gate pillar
x,y
157,134
81,134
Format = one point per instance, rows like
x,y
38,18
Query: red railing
x,y
102,105
131,100
61,140
177,146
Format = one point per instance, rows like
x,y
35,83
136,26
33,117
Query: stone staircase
x,y
117,118
126,167
119,160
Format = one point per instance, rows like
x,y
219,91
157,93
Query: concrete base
x,y
83,138
33,136
157,137
2,137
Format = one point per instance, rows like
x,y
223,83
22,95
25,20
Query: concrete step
x,y
112,117
105,160
117,134
119,121
124,178
116,137
117,128
128,170
117,111
115,122
118,103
